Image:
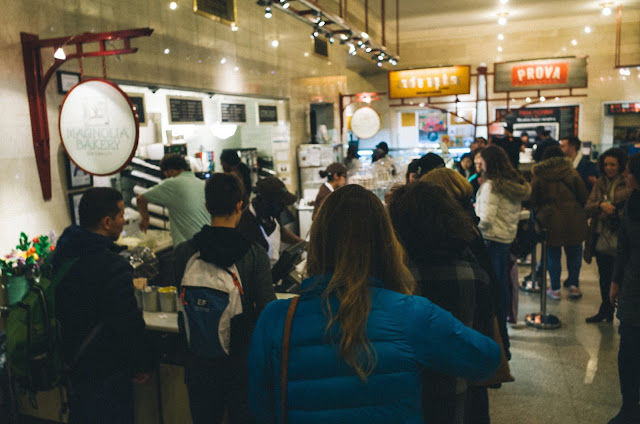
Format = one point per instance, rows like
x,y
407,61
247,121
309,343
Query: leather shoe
x,y
599,318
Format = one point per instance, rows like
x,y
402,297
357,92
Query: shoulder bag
x,y
284,367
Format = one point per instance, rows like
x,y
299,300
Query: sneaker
x,y
574,293
554,294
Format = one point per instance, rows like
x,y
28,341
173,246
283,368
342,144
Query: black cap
x,y
271,188
429,162
383,146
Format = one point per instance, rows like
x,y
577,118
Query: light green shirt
x,y
183,196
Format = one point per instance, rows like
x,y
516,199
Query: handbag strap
x,y
284,368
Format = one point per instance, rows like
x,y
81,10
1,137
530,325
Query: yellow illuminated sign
x,y
430,82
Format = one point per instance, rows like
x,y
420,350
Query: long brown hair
x,y
353,240
498,164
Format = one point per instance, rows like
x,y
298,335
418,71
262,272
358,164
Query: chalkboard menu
x,y
184,110
268,113
233,112
138,101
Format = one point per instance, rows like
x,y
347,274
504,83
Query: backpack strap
x,y
236,281
284,366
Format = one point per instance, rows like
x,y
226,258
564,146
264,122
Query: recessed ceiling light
x,y
606,11
542,98
173,5
223,60
499,48
557,99
500,37
306,54
574,42
588,29
528,99
275,43
236,69
167,51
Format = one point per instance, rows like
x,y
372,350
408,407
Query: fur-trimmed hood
x,y
516,190
553,169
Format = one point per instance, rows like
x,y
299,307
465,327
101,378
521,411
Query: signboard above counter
x,y
430,82
233,112
185,110
540,74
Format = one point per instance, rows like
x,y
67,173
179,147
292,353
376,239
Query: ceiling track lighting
x,y
329,25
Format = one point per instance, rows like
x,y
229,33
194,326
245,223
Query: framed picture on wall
x,y
74,204
138,101
76,177
66,81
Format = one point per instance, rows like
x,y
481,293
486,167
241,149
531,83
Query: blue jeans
x,y
102,401
499,253
554,264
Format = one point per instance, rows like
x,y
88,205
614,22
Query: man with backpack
x,y
102,329
225,282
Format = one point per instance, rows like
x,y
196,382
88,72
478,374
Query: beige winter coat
x,y
498,205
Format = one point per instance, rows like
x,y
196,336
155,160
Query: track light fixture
x,y
330,25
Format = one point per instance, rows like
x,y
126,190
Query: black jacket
x,y
99,288
225,247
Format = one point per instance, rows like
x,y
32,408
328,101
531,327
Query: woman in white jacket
x,y
498,204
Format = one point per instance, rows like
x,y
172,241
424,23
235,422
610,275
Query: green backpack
x,y
34,348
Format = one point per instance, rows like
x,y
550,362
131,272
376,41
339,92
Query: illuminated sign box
x,y
527,75
616,108
429,82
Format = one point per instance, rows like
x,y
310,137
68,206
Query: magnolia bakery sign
x,y
98,127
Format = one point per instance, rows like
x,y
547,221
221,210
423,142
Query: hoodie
x,y
224,247
498,205
99,288
558,198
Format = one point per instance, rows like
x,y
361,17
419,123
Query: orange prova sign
x,y
429,82
539,74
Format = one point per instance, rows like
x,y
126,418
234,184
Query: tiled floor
x,y
563,376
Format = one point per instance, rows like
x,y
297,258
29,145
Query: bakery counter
x,y
167,322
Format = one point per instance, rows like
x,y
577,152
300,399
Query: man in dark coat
x,y
96,306
587,169
214,384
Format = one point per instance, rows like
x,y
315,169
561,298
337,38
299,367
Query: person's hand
x,y
592,179
144,224
608,208
140,378
614,292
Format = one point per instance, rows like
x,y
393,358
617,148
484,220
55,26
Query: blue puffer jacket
x,y
407,332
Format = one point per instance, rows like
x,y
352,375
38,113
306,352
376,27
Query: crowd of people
x,y
402,317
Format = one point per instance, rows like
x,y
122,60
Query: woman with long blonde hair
x,y
359,339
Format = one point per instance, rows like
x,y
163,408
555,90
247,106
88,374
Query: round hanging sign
x,y
365,122
99,127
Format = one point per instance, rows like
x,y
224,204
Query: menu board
x,y
185,110
233,112
527,119
267,113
